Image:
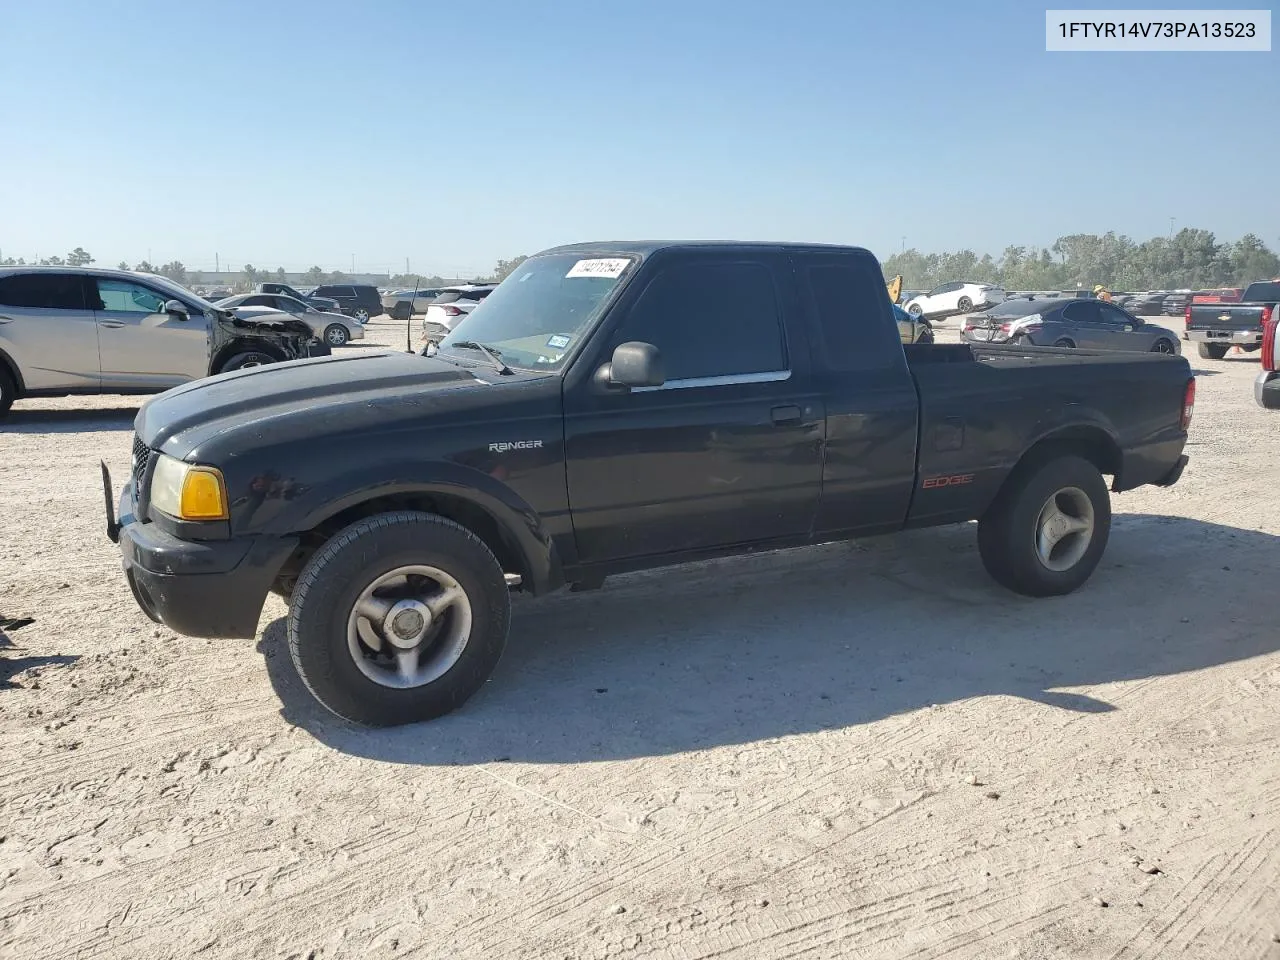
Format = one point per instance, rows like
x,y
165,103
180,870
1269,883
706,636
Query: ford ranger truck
x,y
1217,327
613,407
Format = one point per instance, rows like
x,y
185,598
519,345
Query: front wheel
x,y
243,361
915,310
1064,342
1046,532
1162,346
336,335
399,618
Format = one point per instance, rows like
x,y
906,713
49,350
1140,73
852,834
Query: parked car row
x,y
79,330
1084,322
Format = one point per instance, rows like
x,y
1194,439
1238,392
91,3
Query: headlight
x,y
188,492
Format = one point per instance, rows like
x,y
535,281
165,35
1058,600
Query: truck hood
x,y
370,388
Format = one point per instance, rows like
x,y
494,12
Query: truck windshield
x,y
536,316
1265,291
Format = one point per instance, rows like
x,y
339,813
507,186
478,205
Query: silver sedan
x,y
335,329
1068,322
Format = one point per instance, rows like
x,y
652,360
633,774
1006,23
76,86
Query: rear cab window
x,y
850,311
1266,291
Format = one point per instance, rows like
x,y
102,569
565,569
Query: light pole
x,y
1171,219
904,244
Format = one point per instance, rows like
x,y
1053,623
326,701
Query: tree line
x,y
1191,258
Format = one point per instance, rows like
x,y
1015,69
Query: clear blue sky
x,y
291,133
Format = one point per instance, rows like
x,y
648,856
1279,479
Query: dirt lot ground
x,y
851,751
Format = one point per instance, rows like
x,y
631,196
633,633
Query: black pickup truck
x,y
1217,327
613,407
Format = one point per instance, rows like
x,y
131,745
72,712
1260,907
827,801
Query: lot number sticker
x,y
598,268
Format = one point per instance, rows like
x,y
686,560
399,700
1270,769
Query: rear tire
x,y
1064,342
247,359
8,391
402,311
964,304
328,638
1013,532
361,315
1213,351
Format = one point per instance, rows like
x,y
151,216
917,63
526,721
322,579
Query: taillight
x,y
451,311
1187,313
1269,342
1266,314
1188,403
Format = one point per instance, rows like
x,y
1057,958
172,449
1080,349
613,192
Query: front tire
x,y
1064,342
249,358
915,310
8,391
400,618
1163,346
1213,351
336,335
1047,531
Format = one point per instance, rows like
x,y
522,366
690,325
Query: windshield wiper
x,y
494,356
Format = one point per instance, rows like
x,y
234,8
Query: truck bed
x,y
982,407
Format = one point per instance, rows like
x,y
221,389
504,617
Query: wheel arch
x,y
1089,441
512,530
9,366
241,344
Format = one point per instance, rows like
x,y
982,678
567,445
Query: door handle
x,y
785,415
112,324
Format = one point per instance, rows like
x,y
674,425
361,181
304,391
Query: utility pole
x,y
904,244
1171,219
217,265
406,266
353,263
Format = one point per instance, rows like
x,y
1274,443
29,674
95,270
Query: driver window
x,y
123,296
710,320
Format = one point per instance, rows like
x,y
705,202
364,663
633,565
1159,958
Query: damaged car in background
x,y
83,330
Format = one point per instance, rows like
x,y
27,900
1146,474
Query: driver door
x,y
141,346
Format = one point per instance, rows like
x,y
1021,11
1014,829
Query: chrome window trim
x,y
732,379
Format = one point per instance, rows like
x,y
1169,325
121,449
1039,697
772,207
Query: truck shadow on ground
x,y
755,648
69,421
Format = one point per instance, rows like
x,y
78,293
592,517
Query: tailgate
x,y
1224,317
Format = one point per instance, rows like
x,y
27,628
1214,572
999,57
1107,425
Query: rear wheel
x,y
1048,528
1213,351
336,335
1163,346
246,359
402,310
965,304
926,335
1064,342
8,391
361,315
400,618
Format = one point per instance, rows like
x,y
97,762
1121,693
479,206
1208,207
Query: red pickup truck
x,y
1266,388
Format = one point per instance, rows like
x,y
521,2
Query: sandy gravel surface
x,y
859,750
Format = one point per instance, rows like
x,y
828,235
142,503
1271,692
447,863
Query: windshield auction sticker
x,y
1133,31
611,268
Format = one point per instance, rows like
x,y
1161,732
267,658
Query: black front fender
x,y
513,516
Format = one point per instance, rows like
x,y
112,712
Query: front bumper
x,y
1266,389
210,588
1223,336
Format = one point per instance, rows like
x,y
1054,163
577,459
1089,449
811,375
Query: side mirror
x,y
177,308
636,364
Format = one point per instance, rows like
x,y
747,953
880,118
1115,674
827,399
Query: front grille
x,y
141,459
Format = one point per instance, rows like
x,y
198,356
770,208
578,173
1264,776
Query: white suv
x,y
450,306
68,330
